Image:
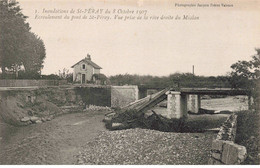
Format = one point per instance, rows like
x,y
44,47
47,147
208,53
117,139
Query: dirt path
x,y
53,142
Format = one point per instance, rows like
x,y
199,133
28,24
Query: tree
x,y
18,46
246,74
33,54
12,34
99,79
66,75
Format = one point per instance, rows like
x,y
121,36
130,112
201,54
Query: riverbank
x,y
59,141
55,142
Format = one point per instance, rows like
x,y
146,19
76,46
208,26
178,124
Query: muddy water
x,y
53,142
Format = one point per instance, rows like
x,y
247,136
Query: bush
x,y
28,75
177,79
51,77
248,134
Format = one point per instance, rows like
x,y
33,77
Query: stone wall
x,y
224,150
98,96
123,95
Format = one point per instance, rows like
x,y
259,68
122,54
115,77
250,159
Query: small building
x,y
84,70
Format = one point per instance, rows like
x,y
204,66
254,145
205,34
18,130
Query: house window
x,y
83,66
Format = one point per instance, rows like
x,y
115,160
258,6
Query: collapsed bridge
x,y
179,102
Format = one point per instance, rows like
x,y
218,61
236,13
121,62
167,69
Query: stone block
x,y
241,153
174,105
216,156
48,119
217,145
25,119
38,121
233,153
117,124
33,119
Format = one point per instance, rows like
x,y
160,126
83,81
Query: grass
x,y
248,135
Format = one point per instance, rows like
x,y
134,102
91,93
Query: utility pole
x,y
193,69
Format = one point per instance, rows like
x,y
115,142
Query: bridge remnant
x,y
179,102
176,105
193,103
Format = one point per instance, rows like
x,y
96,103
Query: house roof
x,y
87,60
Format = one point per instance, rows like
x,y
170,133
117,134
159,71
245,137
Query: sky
x,y
220,37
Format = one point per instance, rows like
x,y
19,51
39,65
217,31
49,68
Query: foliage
x,y
176,79
248,71
248,134
28,75
33,54
19,47
100,78
66,75
12,32
246,74
51,77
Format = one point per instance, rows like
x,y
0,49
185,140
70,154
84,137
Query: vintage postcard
x,y
129,82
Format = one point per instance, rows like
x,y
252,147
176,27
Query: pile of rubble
x,y
97,108
118,121
227,131
144,146
135,115
35,120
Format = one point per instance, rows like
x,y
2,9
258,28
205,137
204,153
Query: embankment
x,y
25,106
224,150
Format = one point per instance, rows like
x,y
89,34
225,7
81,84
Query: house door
x,y
83,79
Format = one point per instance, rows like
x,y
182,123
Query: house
x,y
84,70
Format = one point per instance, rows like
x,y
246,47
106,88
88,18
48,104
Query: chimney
x,y
88,57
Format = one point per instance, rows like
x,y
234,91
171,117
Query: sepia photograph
x,y
129,82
